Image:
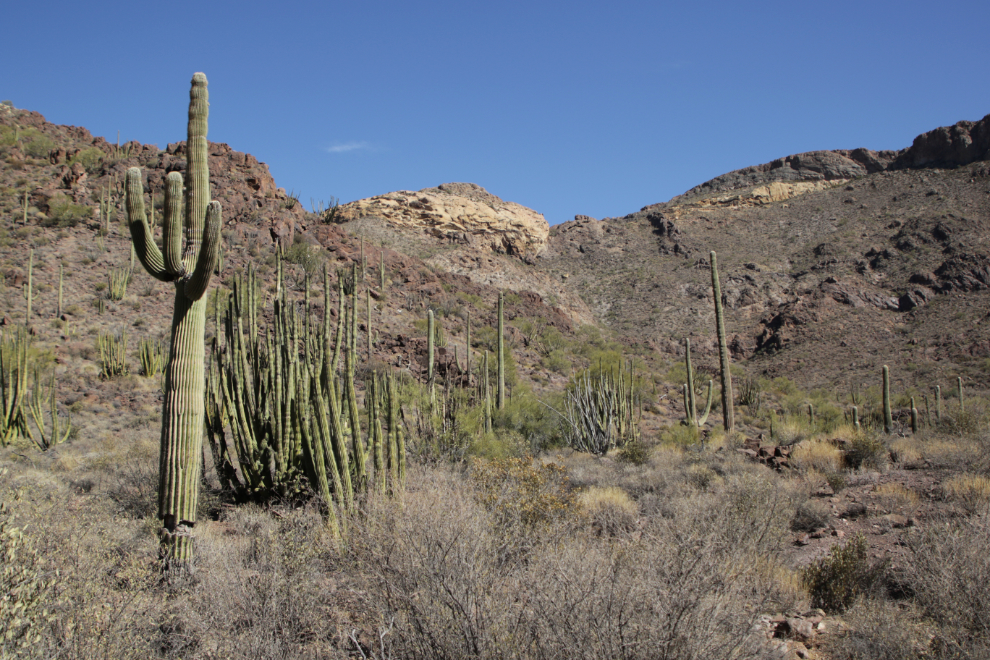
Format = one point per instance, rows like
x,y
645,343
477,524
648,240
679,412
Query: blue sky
x,y
566,107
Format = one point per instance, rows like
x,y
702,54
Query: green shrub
x,y
90,159
866,450
302,253
63,212
38,146
835,581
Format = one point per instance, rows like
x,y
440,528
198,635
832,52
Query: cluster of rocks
x,y
777,457
795,634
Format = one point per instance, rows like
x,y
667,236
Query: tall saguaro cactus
x,y
190,252
500,388
888,420
728,419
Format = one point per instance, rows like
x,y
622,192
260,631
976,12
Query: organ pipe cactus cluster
x,y
188,257
289,416
687,389
13,384
599,412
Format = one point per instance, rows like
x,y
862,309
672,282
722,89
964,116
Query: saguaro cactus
x,y
500,387
189,264
728,419
888,420
430,338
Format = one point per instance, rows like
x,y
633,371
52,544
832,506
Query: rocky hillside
x,y
833,262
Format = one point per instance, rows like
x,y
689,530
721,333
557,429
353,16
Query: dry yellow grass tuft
x,y
819,455
894,496
971,491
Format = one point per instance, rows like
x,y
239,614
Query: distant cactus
x,y
938,404
29,288
188,258
888,420
117,282
430,339
855,414
690,414
113,354
40,403
500,391
959,386
728,418
914,417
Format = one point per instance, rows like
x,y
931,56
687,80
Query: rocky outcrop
x,y
460,213
948,146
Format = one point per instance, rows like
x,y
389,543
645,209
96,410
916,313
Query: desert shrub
x,y
691,586
867,450
303,253
38,145
90,158
880,630
63,212
520,491
556,361
971,491
836,580
809,516
610,510
635,452
25,584
535,421
950,577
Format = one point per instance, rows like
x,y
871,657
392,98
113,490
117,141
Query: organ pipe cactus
x,y
189,255
13,384
888,420
728,419
691,417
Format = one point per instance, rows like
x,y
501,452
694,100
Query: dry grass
x,y
895,497
819,455
970,491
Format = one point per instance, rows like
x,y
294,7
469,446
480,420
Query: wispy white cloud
x,y
348,146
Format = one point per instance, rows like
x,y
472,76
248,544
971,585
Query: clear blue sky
x,y
565,107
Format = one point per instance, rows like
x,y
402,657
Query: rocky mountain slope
x,y
832,262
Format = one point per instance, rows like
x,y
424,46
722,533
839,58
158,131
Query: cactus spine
x,y
500,391
728,418
888,420
190,268
430,334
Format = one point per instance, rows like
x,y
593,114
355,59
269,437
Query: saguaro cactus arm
x,y
141,236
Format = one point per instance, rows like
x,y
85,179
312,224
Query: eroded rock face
x,y
462,213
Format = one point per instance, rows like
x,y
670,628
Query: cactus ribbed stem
x,y
500,391
190,267
728,418
888,420
29,291
61,277
430,334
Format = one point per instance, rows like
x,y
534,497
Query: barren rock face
x,y
462,213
